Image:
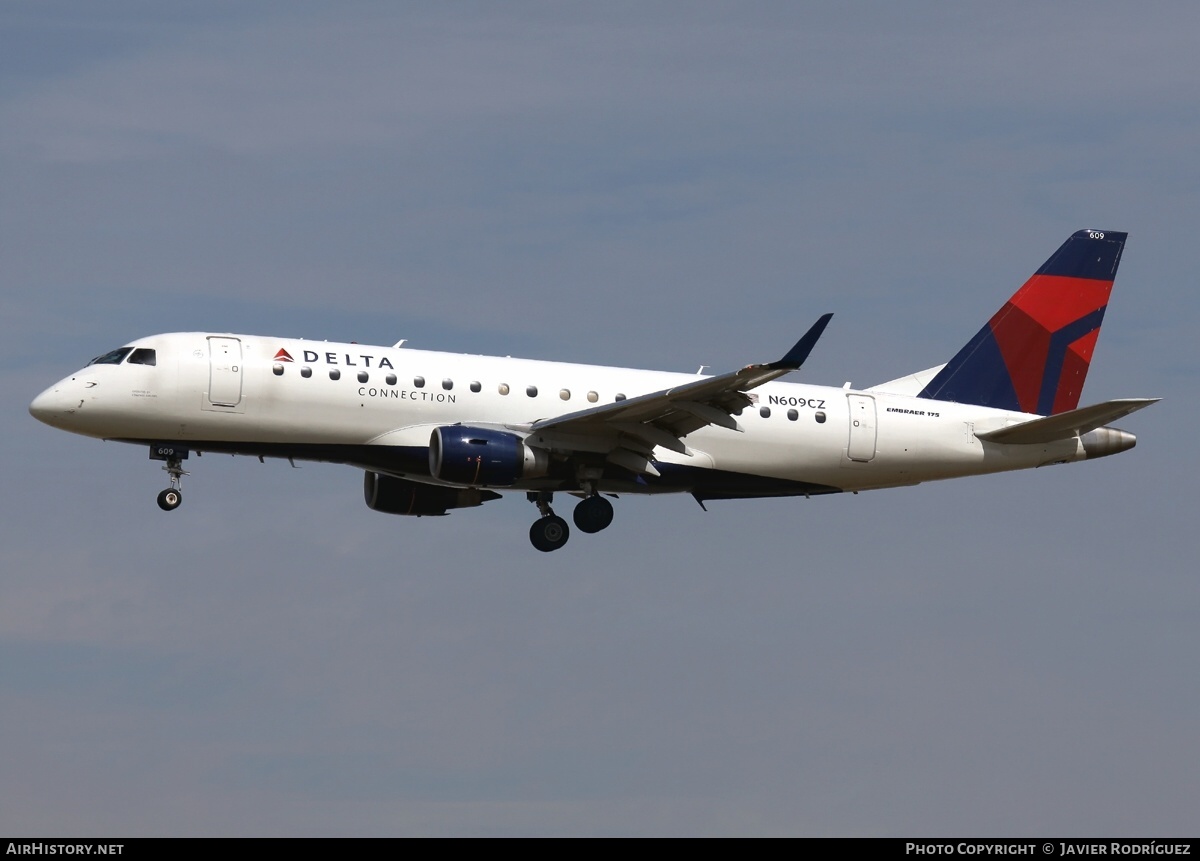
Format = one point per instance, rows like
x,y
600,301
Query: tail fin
x,y
1033,355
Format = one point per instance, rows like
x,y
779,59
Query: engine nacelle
x,y
399,496
479,457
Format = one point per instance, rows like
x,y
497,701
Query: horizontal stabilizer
x,y
1066,425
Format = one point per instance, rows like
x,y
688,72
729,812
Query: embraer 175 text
x,y
436,431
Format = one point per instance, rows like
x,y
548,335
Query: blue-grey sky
x,y
652,185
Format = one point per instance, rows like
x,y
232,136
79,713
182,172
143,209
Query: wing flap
x,y
652,435
632,461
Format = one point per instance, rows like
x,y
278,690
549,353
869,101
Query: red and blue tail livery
x,y
1033,355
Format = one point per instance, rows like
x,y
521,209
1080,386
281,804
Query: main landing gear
x,y
170,498
550,532
593,513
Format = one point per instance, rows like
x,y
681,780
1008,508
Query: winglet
x,y
796,356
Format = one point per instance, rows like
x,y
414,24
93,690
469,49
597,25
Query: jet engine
x,y
479,457
399,496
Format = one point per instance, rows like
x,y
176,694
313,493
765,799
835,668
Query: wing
x,y
627,431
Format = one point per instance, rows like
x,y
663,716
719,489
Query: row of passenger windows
x,y
504,389
447,383
793,415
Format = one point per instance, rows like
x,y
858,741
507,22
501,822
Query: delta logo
x,y
331,358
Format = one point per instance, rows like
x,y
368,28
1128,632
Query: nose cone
x,y
42,405
53,406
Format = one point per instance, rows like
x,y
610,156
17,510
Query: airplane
x,y
435,431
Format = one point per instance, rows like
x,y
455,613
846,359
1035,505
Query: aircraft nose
x,y
51,406
41,406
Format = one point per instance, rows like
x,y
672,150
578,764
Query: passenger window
x,y
531,391
142,356
793,415
447,384
619,397
475,387
765,412
419,382
276,369
363,376
820,415
391,379
335,374
593,397
503,388
565,394
306,372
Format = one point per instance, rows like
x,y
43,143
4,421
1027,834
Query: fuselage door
x,y
861,446
224,371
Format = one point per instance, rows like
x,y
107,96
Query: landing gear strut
x,y
549,532
170,498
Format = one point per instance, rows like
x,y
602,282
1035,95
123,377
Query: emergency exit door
x,y
861,446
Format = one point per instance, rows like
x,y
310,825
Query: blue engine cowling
x,y
479,457
399,496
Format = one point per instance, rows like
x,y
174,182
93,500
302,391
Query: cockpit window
x,y
113,358
143,356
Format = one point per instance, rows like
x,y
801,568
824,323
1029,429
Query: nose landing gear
x,y
170,498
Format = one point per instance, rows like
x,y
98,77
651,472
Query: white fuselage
x,y
335,401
